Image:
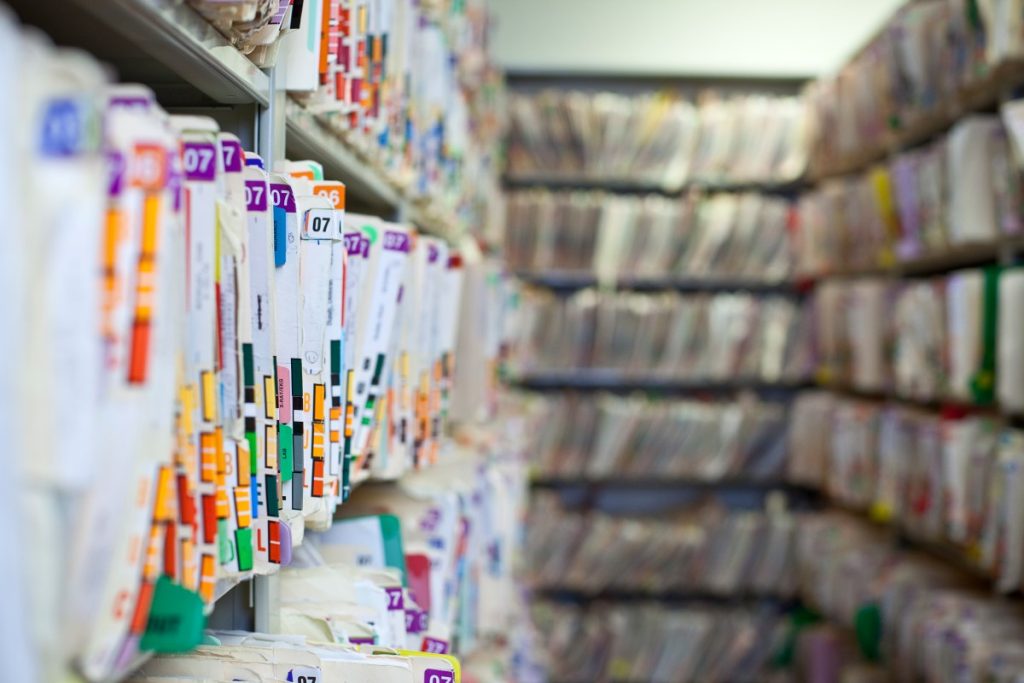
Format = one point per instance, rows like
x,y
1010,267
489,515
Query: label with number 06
x,y
200,161
438,676
319,225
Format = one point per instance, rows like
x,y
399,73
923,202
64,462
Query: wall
x,y
769,38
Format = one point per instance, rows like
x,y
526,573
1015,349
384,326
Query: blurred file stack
x,y
662,334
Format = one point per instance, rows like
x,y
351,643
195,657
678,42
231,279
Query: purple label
x,y
432,253
255,195
286,544
361,641
396,599
116,167
353,243
435,646
364,244
138,102
200,161
438,675
430,520
416,620
282,196
174,183
396,241
231,151
63,130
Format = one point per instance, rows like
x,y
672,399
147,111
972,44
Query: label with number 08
x,y
438,676
200,161
319,225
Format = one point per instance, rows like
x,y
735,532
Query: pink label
x,y
200,161
231,151
255,195
284,394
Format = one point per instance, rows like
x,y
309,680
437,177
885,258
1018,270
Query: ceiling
x,y
715,38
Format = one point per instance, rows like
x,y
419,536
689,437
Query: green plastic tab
x,y
284,451
243,539
176,619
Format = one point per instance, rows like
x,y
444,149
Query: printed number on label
x,y
319,224
198,159
254,195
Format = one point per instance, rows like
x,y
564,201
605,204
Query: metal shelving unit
x,y
192,67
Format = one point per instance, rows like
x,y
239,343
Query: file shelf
x,y
571,595
567,282
615,381
554,183
166,44
632,483
984,94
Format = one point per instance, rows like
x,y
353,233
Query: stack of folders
x,y
701,237
956,338
649,642
656,139
952,480
704,551
209,354
915,68
400,79
601,437
931,622
387,597
964,189
670,336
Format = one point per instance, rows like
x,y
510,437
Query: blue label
x,y
63,129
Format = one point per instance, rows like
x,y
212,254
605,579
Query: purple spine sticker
x,y
282,196
115,160
231,151
353,243
396,241
415,621
396,599
255,195
130,102
438,675
432,253
361,641
364,247
200,161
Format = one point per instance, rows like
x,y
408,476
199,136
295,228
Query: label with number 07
x,y
438,676
396,599
304,674
255,195
199,160
319,225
